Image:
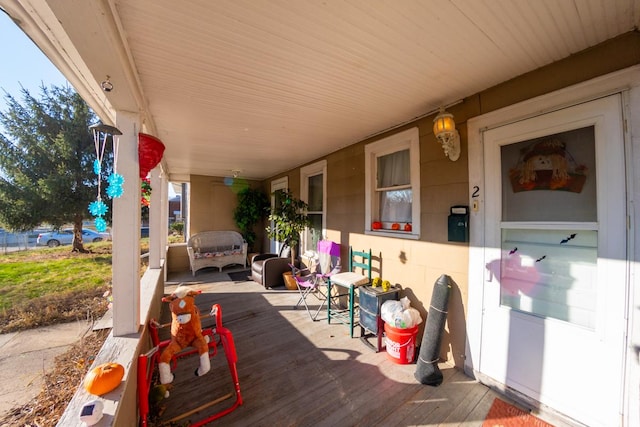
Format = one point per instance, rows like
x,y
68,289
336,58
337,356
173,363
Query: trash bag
x,y
389,309
400,314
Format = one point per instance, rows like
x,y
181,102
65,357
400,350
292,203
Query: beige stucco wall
x,y
177,258
213,203
413,265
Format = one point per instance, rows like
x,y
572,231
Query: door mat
x,y
240,276
503,414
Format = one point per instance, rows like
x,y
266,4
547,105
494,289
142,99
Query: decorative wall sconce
x,y
444,128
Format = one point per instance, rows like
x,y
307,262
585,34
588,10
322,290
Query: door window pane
x,y
552,178
550,273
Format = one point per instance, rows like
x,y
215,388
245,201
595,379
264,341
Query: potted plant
x,y
289,218
252,207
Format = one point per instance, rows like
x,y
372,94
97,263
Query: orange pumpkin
x,y
407,227
104,378
395,226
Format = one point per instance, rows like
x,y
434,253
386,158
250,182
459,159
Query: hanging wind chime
x,y
98,208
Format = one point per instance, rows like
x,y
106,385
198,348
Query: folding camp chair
x,y
312,280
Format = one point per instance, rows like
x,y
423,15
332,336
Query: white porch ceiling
x,y
266,85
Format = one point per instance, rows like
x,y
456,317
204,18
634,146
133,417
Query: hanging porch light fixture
x,y
444,129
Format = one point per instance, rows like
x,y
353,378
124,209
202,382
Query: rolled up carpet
x,y
427,370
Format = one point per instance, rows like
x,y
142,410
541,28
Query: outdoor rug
x,y
503,414
240,276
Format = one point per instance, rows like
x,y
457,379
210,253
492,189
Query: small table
x,y
371,324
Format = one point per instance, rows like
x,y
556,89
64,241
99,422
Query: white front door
x,y
553,322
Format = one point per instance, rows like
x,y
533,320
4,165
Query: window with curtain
x,y
393,186
392,177
313,192
314,233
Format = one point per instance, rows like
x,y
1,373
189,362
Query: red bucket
x,y
401,344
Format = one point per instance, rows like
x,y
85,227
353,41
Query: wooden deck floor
x,y
296,372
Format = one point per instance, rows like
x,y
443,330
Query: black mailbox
x,y
459,224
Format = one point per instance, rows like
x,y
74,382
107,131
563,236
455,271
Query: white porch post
x,y
126,231
164,218
158,217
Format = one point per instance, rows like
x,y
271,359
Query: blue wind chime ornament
x,y
98,208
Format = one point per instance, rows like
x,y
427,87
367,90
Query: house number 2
x,y
475,195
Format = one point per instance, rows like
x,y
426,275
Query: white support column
x,y
185,207
165,217
165,220
156,227
126,231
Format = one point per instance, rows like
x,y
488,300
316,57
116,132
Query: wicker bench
x,y
216,249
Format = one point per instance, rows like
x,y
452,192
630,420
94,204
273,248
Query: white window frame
x,y
408,139
277,184
305,173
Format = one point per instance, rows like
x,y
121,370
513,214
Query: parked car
x,y
65,237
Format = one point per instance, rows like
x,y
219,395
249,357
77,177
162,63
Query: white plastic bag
x,y
400,314
411,317
389,309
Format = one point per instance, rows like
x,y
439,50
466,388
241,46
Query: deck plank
x,y
297,372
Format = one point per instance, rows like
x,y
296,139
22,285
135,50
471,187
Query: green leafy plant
x,y
47,155
289,217
177,227
252,207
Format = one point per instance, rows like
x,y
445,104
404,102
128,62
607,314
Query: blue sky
x,y
23,63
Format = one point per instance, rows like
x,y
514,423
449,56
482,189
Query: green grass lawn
x,y
27,275
53,285
41,287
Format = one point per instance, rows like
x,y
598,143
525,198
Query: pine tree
x,y
46,161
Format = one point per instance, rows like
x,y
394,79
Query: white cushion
x,y
349,278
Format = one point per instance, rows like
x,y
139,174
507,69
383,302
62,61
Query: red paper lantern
x,y
150,150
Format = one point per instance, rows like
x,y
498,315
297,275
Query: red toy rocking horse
x,y
186,331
